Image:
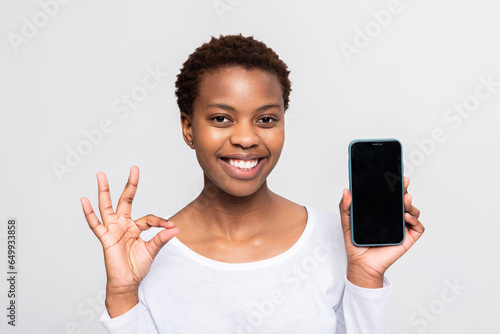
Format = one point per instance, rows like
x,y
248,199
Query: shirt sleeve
x,y
137,320
363,310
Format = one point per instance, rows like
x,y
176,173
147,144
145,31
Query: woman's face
x,y
237,128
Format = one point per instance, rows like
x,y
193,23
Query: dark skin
x,y
238,220
238,113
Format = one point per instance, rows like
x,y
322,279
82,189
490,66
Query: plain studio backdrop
x,y
88,86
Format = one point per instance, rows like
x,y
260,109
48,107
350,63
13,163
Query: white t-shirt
x,y
303,290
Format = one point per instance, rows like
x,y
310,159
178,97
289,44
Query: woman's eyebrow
x,y
268,106
229,108
221,106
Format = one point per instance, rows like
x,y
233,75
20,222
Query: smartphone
x,y
377,190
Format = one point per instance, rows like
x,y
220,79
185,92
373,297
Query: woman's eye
x,y
220,119
267,120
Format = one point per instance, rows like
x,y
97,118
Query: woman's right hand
x,y
127,257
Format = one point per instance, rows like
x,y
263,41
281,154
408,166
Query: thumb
x,y
345,211
160,239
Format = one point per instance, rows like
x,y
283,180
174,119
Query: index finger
x,y
124,207
146,222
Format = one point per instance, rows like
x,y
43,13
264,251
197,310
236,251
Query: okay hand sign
x,y
128,258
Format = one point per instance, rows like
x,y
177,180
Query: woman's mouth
x,y
242,164
242,169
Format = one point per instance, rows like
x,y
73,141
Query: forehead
x,y
239,85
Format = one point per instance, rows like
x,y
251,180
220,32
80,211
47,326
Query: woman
x,y
239,258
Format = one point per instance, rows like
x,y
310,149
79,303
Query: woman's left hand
x,y
366,265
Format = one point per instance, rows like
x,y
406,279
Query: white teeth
x,y
242,164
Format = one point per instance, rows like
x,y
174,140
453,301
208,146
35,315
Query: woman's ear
x,y
187,129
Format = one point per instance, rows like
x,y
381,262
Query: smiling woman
x,y
237,121
239,258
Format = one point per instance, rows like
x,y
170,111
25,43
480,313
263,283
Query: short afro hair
x,y
228,51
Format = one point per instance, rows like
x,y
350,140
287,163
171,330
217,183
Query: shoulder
x,y
325,228
324,218
322,222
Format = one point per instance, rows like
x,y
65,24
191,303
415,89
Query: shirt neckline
x,y
200,259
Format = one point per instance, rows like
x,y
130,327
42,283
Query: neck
x,y
234,217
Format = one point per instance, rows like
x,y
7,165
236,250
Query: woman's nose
x,y
245,135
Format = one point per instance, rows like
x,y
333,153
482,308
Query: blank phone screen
x,y
377,192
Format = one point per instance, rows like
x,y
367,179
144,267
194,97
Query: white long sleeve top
x,y
303,290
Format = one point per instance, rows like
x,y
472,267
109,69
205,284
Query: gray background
x,y
68,76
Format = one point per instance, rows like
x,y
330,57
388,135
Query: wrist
x,y
364,278
120,303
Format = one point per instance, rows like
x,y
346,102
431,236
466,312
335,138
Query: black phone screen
x,y
377,207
